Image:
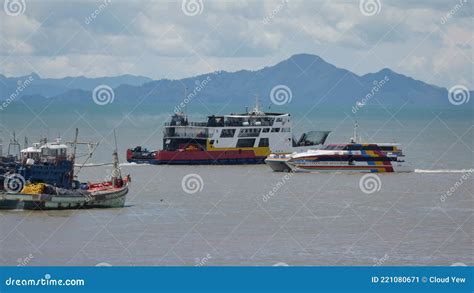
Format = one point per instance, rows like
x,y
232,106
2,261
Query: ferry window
x,y
353,147
371,148
227,132
275,129
263,142
278,120
250,132
245,142
211,142
266,130
285,130
387,148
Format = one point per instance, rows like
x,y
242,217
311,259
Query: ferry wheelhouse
x,y
228,139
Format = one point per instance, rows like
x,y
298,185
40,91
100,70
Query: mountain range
x,y
309,78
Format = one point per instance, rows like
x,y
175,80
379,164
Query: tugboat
x,y
229,139
350,157
43,178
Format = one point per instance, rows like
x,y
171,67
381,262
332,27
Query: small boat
x,y
246,138
350,157
44,178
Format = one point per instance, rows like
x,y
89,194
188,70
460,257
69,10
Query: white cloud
x,y
152,38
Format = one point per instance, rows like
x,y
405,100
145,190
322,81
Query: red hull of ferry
x,y
199,157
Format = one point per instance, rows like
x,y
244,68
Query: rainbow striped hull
x,y
365,158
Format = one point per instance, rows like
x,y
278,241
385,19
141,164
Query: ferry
x,y
246,138
350,157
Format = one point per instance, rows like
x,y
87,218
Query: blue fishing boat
x,y
43,177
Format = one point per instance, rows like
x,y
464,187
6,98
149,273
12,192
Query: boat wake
x,y
444,171
133,164
93,165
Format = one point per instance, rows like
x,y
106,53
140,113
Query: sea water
x,y
248,215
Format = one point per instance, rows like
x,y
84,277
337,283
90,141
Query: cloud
x,y
157,39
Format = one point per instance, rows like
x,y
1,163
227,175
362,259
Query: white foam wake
x,y
92,165
444,171
134,164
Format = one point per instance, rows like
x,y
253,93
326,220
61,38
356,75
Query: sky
x,y
428,40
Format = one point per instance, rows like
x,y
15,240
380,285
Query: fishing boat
x,y
44,178
246,138
349,157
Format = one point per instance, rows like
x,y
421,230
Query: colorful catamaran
x,y
350,157
229,139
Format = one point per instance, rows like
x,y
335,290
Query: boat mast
x,y
74,146
355,138
185,105
14,142
116,171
